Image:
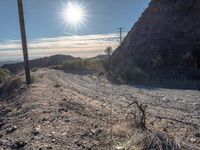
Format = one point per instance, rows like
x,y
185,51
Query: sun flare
x,y
74,14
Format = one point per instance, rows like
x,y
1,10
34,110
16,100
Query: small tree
x,y
109,52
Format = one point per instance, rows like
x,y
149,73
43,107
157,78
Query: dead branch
x,y
142,109
176,120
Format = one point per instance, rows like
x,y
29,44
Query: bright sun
x,y
74,14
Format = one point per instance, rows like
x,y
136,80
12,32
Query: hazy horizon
x,y
84,46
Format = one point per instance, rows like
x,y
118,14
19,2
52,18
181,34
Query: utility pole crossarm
x,y
24,42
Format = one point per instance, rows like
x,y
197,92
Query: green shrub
x,y
32,78
34,69
4,76
83,65
12,84
73,65
57,67
135,74
106,65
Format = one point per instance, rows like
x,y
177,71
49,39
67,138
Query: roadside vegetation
x,y
107,62
100,64
8,82
83,65
4,76
97,64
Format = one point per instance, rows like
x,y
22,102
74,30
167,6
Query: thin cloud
x,y
76,45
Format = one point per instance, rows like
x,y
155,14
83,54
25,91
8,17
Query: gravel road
x,y
63,111
174,110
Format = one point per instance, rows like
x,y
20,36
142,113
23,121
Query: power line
x,y
24,42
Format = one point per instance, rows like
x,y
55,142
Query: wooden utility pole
x,y
120,34
24,42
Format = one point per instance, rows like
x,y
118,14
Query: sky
x,y
49,31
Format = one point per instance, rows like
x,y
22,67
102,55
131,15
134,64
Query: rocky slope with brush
x,y
166,39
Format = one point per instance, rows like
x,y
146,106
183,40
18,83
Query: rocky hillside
x,y
165,38
38,63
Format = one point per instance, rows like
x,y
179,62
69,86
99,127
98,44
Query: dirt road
x,y
67,111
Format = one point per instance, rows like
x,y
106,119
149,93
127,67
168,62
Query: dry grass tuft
x,y
129,131
160,141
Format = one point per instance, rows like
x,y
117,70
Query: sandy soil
x,y
66,111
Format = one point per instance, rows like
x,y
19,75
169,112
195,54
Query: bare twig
x,y
176,120
141,108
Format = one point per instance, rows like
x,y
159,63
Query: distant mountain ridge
x,y
166,38
7,62
40,62
54,60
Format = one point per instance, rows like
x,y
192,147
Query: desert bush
x,y
160,141
57,67
96,65
109,52
74,65
8,83
34,69
132,132
106,65
12,84
4,76
32,78
135,75
137,114
82,65
130,71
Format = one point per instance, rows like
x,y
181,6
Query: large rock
x,y
166,37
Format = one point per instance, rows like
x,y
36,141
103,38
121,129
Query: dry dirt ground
x,y
82,112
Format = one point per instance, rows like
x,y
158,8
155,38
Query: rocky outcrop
x,y
166,37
